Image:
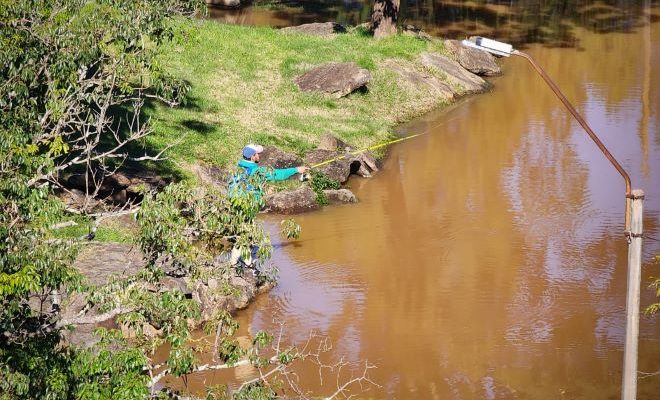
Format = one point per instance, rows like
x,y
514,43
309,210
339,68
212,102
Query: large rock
x,y
368,164
420,80
211,175
363,164
224,3
474,60
336,79
412,30
101,262
340,196
213,297
316,28
119,187
466,81
296,201
338,170
331,143
276,158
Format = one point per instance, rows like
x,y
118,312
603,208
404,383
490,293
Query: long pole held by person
x,y
633,223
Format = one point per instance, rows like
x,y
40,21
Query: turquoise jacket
x,y
277,174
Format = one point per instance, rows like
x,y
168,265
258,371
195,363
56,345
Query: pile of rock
x,y
118,188
344,164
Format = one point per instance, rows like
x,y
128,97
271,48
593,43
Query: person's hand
x,y
303,169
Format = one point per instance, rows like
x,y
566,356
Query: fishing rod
x,y
356,152
376,146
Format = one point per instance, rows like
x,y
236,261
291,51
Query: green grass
x,y
110,230
243,91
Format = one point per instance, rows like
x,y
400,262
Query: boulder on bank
x,y
296,201
119,187
276,158
412,30
211,175
456,74
335,79
329,142
211,297
474,60
420,80
224,3
338,170
316,29
362,164
337,196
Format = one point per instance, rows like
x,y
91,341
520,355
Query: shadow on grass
x,y
197,126
166,168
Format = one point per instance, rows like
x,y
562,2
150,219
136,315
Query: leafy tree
x,y
74,76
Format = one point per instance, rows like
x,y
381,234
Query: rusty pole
x,y
587,129
633,232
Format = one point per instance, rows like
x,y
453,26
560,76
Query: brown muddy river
x,y
487,259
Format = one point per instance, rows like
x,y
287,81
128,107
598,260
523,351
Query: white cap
x,y
258,148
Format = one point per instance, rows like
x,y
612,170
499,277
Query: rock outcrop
x,y
276,158
100,263
420,80
363,164
338,170
340,196
316,29
119,187
296,201
224,3
335,79
212,296
412,30
464,81
474,60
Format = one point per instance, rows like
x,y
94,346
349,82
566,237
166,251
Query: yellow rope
x,y
356,152
352,153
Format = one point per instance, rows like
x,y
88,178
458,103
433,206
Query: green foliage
x,y
113,369
652,309
255,391
321,182
290,229
221,119
187,227
72,71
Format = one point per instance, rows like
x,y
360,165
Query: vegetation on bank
x,y
242,90
78,79
74,78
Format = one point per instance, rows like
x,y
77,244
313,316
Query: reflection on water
x,y
520,22
487,260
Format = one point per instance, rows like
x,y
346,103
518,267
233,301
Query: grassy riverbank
x,y
243,91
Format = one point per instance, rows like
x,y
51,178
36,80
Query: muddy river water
x,y
487,259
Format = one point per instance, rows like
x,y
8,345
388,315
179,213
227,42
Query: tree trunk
x,y
384,17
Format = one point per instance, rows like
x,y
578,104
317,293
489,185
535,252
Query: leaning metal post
x,y
587,129
633,232
633,227
629,384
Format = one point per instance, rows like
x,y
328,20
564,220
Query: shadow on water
x,y
550,23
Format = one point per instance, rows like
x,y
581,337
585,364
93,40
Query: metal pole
x,y
633,224
633,232
586,128
629,382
